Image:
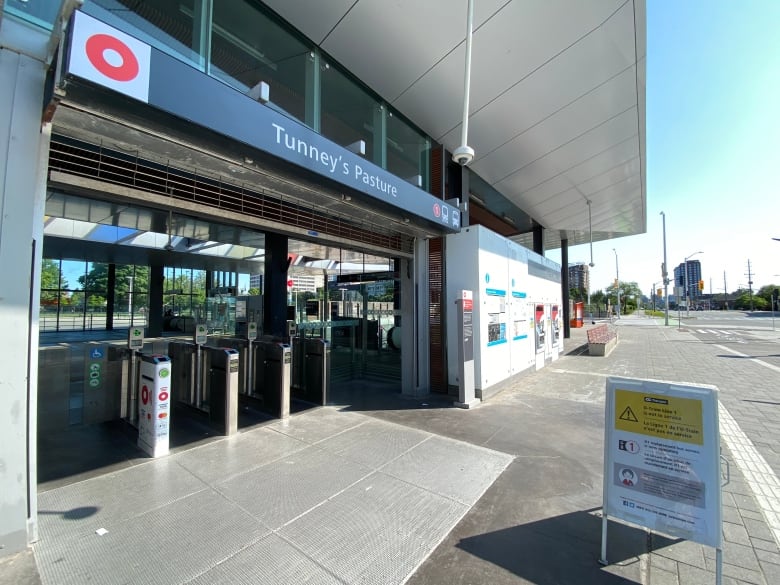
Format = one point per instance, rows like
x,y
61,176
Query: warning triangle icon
x,y
628,415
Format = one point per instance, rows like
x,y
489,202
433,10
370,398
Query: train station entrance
x,y
194,288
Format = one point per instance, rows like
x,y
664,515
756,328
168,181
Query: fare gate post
x,y
135,343
154,400
223,388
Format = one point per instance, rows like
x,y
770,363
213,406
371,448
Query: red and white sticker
x,y
107,56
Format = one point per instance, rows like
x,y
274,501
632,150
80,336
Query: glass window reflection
x,y
248,47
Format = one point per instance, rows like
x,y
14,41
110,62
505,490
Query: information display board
x,y
662,458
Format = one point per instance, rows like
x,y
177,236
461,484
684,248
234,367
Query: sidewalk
x,y
417,491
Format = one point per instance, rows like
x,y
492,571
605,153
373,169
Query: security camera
x,y
463,155
591,264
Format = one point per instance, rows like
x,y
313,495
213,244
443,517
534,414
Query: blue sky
x,y
713,147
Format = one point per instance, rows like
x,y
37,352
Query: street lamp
x,y
665,276
687,292
130,299
652,295
617,282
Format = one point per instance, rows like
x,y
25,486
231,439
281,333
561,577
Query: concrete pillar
x,y
156,285
415,344
538,233
565,287
275,286
23,160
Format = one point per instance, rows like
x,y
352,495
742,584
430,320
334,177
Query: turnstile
x,y
184,372
311,369
272,376
244,372
223,388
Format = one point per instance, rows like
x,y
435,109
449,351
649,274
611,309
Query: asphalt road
x,y
740,334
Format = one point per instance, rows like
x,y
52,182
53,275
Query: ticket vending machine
x,y
154,401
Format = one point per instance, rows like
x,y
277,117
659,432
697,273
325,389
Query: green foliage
x,y
51,278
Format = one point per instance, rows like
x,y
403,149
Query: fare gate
x,y
311,369
223,388
273,371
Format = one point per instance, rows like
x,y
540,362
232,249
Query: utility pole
x,y
665,276
750,285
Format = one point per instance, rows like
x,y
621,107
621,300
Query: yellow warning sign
x,y
668,417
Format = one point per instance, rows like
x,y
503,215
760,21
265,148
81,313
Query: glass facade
x,y
248,47
349,113
74,295
241,43
39,12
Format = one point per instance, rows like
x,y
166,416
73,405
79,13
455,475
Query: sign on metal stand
x,y
466,393
662,460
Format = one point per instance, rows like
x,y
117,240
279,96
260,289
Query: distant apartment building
x,y
694,276
306,282
579,277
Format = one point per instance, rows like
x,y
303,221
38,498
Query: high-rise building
x,y
694,276
579,277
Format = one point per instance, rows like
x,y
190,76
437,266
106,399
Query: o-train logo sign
x,y
109,57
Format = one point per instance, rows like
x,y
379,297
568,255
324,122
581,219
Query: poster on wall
x,y
496,313
519,319
539,327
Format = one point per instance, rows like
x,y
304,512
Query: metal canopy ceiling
x,y
557,108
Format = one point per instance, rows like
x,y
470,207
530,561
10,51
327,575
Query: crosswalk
x,y
729,335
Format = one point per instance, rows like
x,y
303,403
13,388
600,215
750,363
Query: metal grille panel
x,y
173,544
430,466
379,531
438,365
293,485
272,560
238,454
375,443
113,167
122,495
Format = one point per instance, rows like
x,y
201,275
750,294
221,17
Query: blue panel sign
x,y
183,91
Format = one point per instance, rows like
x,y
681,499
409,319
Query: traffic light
x,y
701,285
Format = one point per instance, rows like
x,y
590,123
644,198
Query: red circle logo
x,y
436,209
98,44
145,395
162,396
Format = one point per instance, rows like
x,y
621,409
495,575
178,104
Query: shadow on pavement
x,y
565,550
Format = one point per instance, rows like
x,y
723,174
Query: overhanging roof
x,y
557,106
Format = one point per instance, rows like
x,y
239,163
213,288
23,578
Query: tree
x,y
629,293
52,281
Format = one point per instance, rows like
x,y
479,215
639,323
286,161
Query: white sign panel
x,y
109,57
662,458
154,402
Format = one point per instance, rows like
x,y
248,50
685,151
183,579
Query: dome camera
x,y
591,264
463,155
